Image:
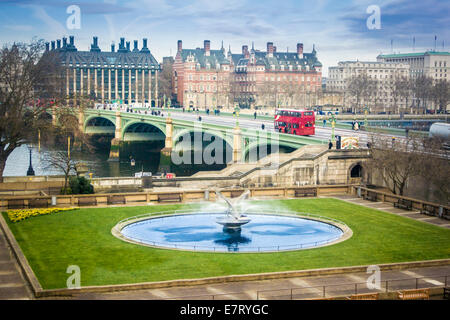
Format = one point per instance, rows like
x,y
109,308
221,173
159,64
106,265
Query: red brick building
x,y
205,78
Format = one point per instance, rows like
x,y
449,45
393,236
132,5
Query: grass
x,y
83,237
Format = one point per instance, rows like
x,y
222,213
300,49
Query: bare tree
x,y
422,86
434,167
441,94
360,87
30,85
62,161
165,81
395,161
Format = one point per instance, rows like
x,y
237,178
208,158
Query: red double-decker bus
x,y
298,122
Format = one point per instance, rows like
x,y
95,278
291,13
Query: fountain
x,y
234,219
213,229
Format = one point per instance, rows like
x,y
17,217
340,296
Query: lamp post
x,y
30,171
366,111
333,121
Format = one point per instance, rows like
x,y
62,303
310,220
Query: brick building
x,y
205,78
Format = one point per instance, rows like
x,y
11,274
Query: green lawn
x,y
83,237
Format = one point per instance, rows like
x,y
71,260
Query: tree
x,y
30,84
62,160
360,87
399,90
441,94
165,84
395,161
434,167
422,86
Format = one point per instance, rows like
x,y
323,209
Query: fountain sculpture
x,y
233,219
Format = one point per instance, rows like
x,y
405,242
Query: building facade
x,y
430,63
383,74
205,78
124,76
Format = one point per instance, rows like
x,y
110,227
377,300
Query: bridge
x,y
128,126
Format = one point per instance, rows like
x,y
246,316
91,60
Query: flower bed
x,y
22,214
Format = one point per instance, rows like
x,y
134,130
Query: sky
x,y
338,29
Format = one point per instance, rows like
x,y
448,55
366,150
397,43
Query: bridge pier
x,y
117,141
237,145
169,138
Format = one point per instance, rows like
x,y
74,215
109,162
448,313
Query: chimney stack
x,y
113,47
135,49
94,46
300,50
274,49
180,45
245,52
58,44
53,45
144,43
207,47
64,42
71,40
122,43
47,46
270,49
128,46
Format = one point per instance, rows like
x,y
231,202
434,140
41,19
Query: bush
x,y
81,185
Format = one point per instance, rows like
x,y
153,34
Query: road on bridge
x,y
323,133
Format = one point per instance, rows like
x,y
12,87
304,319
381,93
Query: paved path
x,y
389,207
303,287
12,283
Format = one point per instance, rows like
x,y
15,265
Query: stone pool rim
x,y
116,231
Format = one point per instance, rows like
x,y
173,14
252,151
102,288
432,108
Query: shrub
x,y
80,185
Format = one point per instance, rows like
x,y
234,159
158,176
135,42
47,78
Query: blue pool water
x,y
200,232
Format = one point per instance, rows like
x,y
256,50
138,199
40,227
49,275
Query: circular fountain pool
x,y
201,232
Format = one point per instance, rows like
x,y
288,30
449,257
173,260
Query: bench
x,y
116,200
429,210
403,204
169,197
87,201
312,192
447,293
415,294
364,296
38,203
371,196
16,204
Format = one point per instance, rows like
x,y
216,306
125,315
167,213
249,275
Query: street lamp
x,y
333,121
30,171
366,111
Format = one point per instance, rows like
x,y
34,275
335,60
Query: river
x,y
147,156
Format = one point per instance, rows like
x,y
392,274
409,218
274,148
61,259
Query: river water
x,y
147,156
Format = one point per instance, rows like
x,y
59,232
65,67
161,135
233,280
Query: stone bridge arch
x,y
143,131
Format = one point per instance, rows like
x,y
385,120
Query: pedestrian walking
x,y
254,115
262,126
324,122
330,144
